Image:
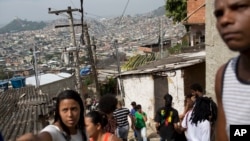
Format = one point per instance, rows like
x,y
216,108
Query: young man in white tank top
x,y
232,84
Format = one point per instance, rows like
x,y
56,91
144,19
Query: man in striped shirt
x,y
121,114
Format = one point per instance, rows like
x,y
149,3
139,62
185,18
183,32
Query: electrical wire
x,y
124,10
73,4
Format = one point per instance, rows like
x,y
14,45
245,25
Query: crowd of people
x,y
112,121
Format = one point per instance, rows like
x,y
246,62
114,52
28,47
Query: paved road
x,y
151,134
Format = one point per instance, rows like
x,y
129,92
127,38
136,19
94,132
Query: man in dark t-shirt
x,y
166,119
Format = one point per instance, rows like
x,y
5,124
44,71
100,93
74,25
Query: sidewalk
x,y
151,134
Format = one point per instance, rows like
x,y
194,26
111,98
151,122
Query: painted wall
x,y
176,89
149,91
54,88
140,88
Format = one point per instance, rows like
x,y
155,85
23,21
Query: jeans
x,y
141,134
122,132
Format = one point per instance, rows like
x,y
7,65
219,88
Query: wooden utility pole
x,y
92,61
85,34
161,43
119,79
73,40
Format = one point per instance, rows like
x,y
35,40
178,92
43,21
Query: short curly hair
x,y
107,103
196,87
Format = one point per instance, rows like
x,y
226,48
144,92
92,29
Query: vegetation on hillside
x,y
18,25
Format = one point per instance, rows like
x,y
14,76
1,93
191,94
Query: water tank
x,y
4,85
18,82
85,71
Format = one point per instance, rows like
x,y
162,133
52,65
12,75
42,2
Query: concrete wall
x,y
149,90
140,88
54,88
216,51
176,89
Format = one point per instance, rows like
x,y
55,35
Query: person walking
x,y
88,103
121,115
166,120
232,82
140,123
132,112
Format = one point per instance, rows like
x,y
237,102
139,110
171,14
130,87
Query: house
x,y
148,84
153,45
195,21
52,83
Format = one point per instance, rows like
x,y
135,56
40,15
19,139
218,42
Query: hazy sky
x,y
37,10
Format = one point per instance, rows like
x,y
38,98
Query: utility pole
x,y
92,62
75,52
85,34
119,80
161,38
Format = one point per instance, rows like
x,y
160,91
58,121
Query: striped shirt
x,y
235,96
121,116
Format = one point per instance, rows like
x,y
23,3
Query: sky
x,y
37,10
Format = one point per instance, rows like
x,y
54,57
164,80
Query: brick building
x,y
195,21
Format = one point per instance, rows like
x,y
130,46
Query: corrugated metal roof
x,y
46,78
22,111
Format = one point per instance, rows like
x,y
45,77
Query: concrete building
x,y
147,85
195,21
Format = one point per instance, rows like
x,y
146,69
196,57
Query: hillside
x,y
18,25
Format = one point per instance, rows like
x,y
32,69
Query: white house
x,y
173,75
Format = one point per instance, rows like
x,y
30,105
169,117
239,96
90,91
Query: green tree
x,y
176,9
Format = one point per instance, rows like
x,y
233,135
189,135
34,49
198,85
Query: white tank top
x,y
235,97
57,134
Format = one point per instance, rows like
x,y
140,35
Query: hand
x,y
181,116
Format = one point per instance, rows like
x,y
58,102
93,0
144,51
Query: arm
x,y
220,125
132,119
144,116
176,121
157,120
184,123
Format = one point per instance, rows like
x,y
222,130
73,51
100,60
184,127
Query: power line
x,y
72,4
124,10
